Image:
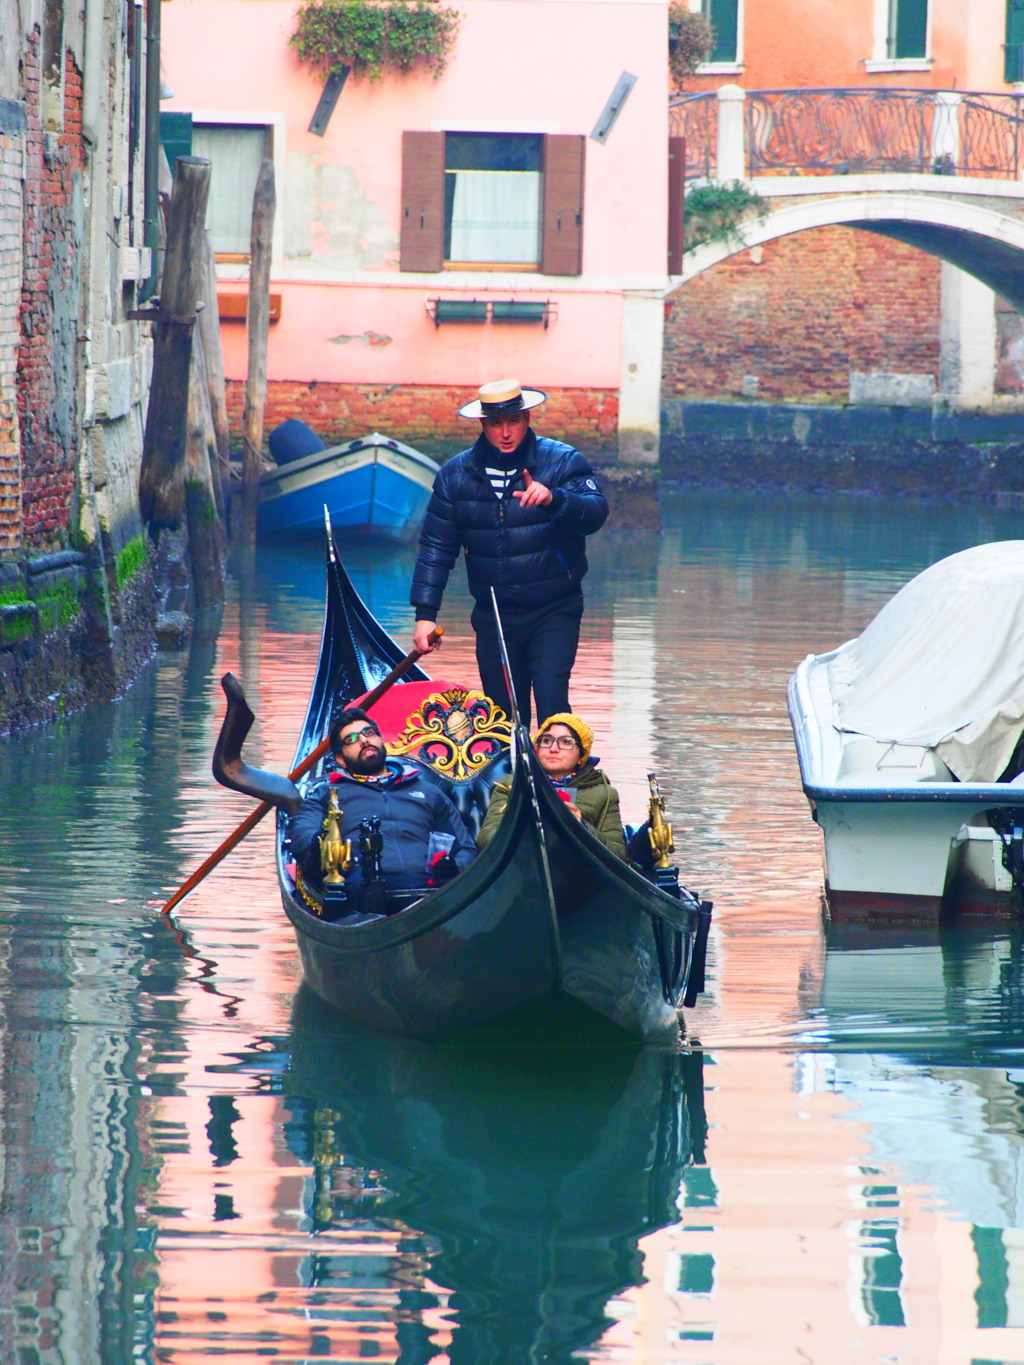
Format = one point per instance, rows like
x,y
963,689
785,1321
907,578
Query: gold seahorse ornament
x,y
335,852
659,830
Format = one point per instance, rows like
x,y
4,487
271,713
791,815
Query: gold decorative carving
x,y
335,852
455,732
659,831
305,893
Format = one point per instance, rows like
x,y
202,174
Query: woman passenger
x,y
563,745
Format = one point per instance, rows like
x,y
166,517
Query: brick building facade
x,y
76,591
790,321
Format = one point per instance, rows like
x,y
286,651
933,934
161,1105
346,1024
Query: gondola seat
x,y
461,740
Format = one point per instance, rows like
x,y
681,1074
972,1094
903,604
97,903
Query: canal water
x,y
198,1162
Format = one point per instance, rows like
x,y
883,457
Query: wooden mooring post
x,y
162,475
258,325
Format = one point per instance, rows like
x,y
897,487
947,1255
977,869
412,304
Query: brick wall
x,y
11,154
424,416
50,302
798,315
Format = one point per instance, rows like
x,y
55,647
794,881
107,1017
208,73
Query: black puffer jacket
x,y
409,809
531,556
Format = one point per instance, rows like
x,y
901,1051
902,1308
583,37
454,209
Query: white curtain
x,y
236,154
495,216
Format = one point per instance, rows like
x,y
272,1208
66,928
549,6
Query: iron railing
x,y
840,132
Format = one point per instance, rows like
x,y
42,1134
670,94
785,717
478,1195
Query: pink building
x,y
509,217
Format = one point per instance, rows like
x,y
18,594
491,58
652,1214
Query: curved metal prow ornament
x,y
228,767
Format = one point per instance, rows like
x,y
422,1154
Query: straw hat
x,y
502,396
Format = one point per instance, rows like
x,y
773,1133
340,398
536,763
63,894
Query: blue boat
x,y
373,485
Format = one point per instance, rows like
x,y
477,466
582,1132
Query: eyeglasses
x,y
358,735
556,742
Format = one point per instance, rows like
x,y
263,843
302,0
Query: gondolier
x,y
521,506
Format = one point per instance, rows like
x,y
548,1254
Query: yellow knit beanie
x,y
580,729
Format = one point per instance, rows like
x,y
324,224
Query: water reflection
x,y
519,1216
189,1171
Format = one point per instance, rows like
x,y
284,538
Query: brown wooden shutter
x,y
676,203
561,240
422,242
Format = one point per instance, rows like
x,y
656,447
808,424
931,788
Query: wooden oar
x,y
254,817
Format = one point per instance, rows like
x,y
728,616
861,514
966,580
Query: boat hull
x,y
463,955
609,918
897,848
372,486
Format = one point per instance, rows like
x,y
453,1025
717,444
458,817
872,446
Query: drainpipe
x,y
151,180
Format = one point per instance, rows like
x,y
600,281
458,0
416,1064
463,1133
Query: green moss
x,y
10,596
202,503
130,560
17,627
58,606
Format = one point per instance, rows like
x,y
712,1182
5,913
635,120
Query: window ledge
x,y
512,267
880,67
720,69
235,307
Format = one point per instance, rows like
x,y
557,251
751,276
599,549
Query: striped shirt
x,y
502,478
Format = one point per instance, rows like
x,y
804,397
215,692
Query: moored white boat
x,y
908,739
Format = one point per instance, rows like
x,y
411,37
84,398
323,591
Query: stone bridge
x,y
940,170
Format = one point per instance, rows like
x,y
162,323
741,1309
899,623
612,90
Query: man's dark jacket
x,y
409,808
532,557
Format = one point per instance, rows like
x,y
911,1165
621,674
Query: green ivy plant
x,y
691,40
371,36
715,212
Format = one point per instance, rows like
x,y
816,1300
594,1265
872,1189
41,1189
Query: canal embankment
x,y
920,452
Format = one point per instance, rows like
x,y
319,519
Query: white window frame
x,y
880,62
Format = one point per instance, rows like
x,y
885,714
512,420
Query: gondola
x,y
544,909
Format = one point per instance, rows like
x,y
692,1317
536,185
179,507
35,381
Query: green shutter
x,y
910,30
176,136
1013,68
724,18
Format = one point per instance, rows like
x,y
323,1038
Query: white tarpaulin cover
x,y
942,664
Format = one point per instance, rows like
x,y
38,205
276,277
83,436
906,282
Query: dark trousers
x,y
541,647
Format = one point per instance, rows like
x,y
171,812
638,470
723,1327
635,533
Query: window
x,y
907,37
723,16
236,153
492,200
901,36
492,197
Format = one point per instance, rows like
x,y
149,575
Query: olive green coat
x,y
596,799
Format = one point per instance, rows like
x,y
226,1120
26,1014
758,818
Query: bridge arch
x,y
980,240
